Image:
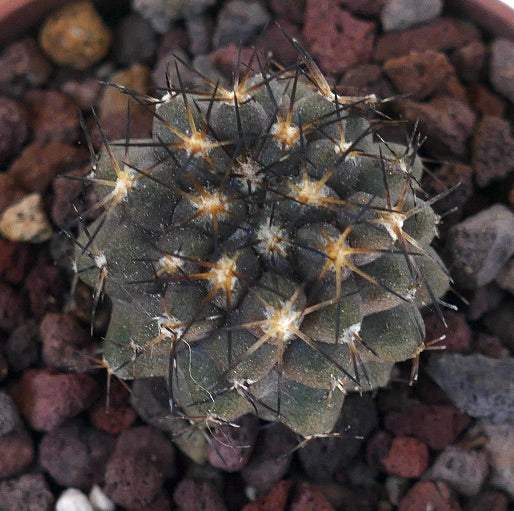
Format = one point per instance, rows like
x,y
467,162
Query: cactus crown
x,y
265,251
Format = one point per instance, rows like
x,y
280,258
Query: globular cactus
x,y
265,251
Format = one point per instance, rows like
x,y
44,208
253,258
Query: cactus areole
x,y
265,252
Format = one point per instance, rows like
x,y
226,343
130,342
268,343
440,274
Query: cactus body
x,y
263,252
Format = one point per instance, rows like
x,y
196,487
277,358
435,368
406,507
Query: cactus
x,y
266,252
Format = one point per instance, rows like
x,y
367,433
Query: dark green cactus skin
x,y
263,252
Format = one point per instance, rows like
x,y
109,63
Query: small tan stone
x,y
26,221
75,36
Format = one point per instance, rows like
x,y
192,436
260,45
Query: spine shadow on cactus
x,y
266,251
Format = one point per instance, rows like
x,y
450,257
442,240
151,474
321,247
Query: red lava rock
x,y
39,163
447,123
115,416
469,61
441,34
407,457
428,495
484,101
366,7
13,127
492,150
421,74
148,442
271,457
16,453
12,307
272,42
46,287
22,346
436,425
231,447
14,258
227,58
490,346
293,10
365,79
47,399
459,336
75,455
23,65
309,498
64,341
191,495
29,491
335,38
273,500
488,501
132,481
10,191
53,116
72,197
377,449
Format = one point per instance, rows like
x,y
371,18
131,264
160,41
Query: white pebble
x,y
73,500
99,500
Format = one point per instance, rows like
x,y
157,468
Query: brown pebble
x,y
428,494
447,123
23,65
335,38
13,127
75,36
113,106
365,79
492,150
10,191
484,101
47,399
16,453
38,164
441,34
53,116
420,74
469,61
